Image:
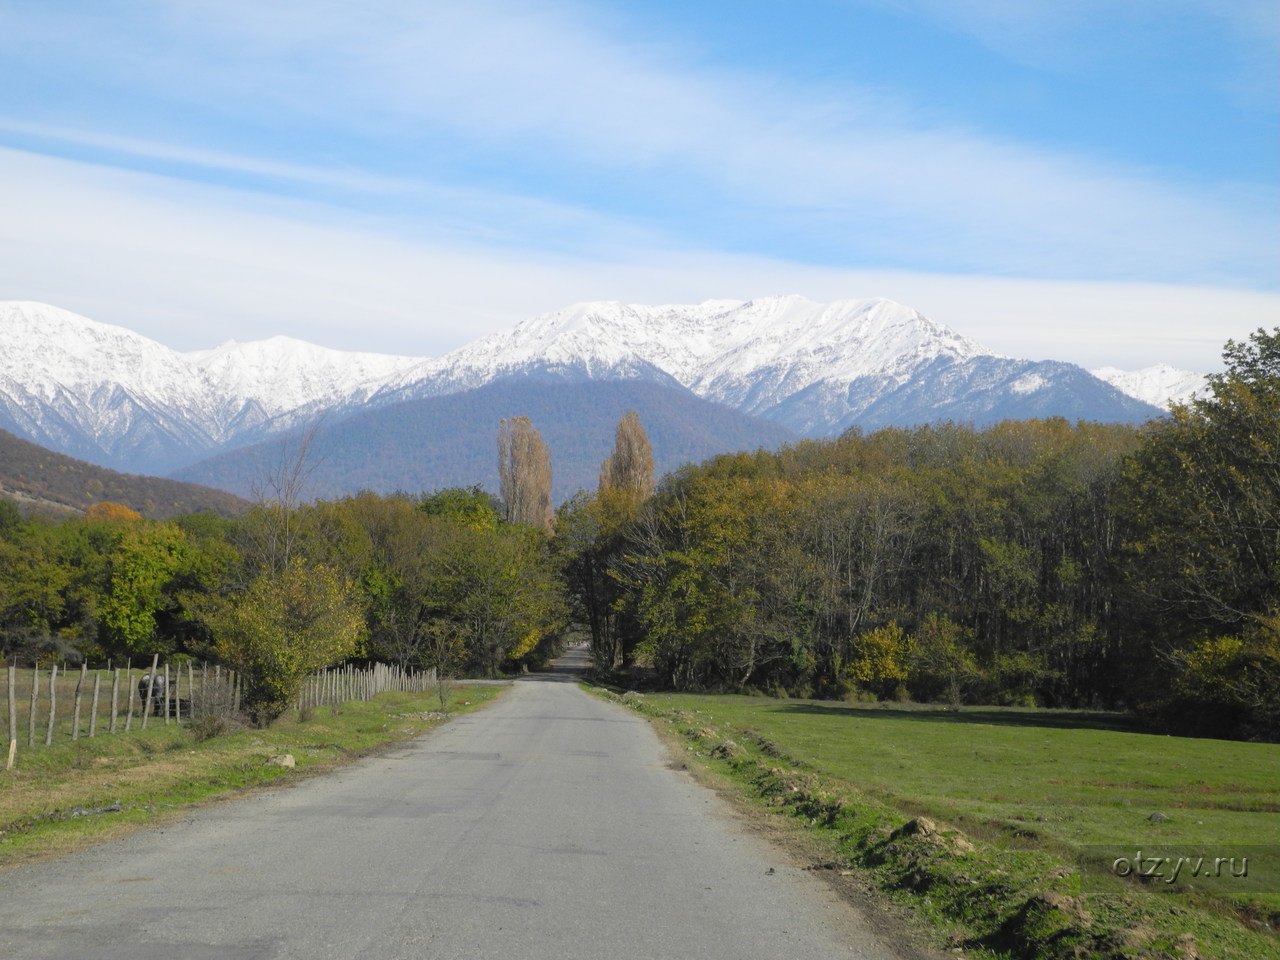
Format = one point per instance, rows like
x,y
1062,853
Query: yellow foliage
x,y
108,511
881,659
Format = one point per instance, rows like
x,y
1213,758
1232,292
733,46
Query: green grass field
x,y
1059,793
65,688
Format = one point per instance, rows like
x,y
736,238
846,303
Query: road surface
x,y
548,825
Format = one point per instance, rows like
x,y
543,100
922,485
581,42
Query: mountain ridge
x,y
1159,385
435,442
113,397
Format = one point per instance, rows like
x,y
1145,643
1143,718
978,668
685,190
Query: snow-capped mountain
x,y
816,368
113,397
719,349
1160,385
286,378
101,393
110,396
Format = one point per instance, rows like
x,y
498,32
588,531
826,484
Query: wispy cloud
x,y
401,177
191,265
556,94
1064,32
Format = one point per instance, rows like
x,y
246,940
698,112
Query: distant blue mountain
x,y
427,444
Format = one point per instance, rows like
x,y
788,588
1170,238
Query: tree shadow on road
x,y
571,667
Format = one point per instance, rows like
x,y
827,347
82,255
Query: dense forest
x,y
1034,562
288,588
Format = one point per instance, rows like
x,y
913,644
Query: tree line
x,y
1035,562
438,580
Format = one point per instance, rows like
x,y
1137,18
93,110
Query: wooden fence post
x,y
13,701
35,702
167,691
128,679
53,704
115,700
75,715
151,686
93,710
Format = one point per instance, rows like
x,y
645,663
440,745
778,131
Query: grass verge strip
x,y
81,792
987,890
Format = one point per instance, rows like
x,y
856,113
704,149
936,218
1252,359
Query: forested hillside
x,y
1032,562
40,479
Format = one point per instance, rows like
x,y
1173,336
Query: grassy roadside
x,y
999,826
77,793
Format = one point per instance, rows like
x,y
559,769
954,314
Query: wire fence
x,y
63,705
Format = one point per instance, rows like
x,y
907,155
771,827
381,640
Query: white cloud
x,y
550,88
1081,35
192,265
208,159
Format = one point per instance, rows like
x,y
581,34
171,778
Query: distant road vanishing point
x,y
548,825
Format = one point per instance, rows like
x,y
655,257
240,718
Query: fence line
x,y
212,692
340,684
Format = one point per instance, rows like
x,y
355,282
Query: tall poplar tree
x,y
630,469
524,473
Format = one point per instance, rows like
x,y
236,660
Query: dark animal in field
x,y
155,685
179,707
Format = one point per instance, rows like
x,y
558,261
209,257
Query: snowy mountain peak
x,y
52,351
697,343
112,396
282,374
1160,385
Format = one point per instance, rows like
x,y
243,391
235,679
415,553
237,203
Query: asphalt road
x,y
548,825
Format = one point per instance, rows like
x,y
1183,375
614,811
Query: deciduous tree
x,y
524,473
285,626
630,468
144,563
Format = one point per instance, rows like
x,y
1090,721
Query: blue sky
x,y
1088,180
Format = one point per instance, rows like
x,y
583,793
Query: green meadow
x,y
1106,821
